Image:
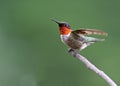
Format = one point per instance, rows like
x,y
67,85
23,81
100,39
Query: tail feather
x,y
99,40
91,39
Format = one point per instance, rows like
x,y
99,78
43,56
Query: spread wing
x,y
89,32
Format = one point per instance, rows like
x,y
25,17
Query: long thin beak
x,y
58,22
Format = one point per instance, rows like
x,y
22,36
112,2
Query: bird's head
x,y
64,27
61,23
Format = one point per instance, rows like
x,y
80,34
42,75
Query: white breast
x,y
64,38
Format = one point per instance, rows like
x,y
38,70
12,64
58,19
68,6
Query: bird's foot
x,y
73,52
70,50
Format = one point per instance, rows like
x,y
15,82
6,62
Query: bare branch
x,y
92,67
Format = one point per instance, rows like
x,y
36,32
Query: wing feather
x,y
90,31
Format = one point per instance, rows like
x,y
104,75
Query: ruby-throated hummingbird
x,y
77,39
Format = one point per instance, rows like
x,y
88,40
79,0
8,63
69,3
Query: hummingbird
x,y
77,39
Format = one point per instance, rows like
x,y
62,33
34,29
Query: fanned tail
x,y
92,39
99,40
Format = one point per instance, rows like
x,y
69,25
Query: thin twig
x,y
92,67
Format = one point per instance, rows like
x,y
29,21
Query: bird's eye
x,y
66,25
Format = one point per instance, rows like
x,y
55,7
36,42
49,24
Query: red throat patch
x,y
64,30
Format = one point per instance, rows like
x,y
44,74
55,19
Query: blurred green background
x,y
31,52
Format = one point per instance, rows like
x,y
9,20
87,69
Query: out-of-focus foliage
x,y
31,53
